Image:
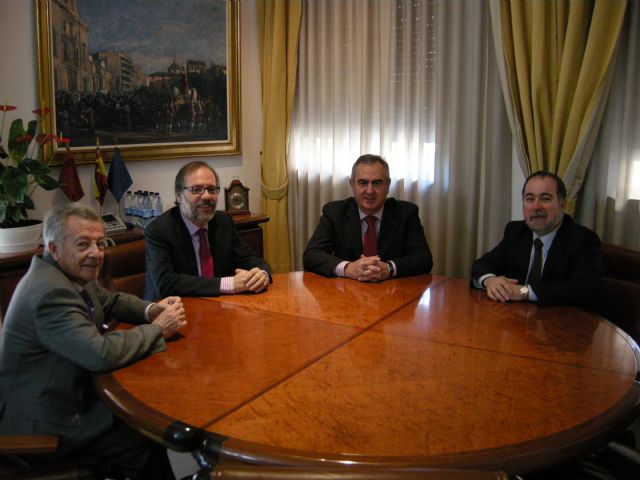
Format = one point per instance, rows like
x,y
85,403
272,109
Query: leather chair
x,y
124,268
620,292
13,466
619,303
255,472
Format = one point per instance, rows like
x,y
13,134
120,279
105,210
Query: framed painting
x,y
157,78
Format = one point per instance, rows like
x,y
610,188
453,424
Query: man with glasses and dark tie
x,y
545,258
194,250
369,237
52,341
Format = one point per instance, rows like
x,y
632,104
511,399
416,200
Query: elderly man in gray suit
x,y
52,341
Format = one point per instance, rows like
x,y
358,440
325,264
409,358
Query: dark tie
x,y
536,268
370,238
90,307
206,260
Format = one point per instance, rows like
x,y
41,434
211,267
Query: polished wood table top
x,y
420,371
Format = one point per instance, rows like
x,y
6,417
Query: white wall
x,y
18,87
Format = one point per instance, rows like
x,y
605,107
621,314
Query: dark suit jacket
x,y
571,273
338,237
49,347
171,262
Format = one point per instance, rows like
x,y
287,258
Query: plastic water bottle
x,y
157,205
147,209
135,207
128,208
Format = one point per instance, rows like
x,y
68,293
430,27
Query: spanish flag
x,y
100,176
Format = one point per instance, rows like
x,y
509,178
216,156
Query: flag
x,y
119,179
69,180
100,177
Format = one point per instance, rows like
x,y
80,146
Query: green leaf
x,y
35,167
17,145
3,210
27,203
15,183
46,182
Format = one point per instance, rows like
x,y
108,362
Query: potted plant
x,y
21,172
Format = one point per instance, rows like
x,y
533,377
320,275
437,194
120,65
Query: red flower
x,y
62,140
24,138
42,111
6,108
44,138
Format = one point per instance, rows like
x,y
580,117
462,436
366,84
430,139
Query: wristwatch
x,y
524,293
392,270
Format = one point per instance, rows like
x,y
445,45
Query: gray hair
x,y
56,219
370,159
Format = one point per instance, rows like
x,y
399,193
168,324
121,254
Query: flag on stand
x,y
100,176
69,180
119,179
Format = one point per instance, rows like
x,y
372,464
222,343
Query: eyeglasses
x,y
199,189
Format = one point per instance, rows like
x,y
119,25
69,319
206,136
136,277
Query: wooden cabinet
x,y
14,266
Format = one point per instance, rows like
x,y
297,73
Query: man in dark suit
x,y
570,256
52,341
369,237
194,250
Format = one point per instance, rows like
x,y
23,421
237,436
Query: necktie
x,y
91,309
536,268
206,260
370,246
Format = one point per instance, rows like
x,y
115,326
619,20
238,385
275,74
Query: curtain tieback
x,y
275,193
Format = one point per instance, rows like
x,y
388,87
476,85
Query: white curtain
x,y
611,199
415,81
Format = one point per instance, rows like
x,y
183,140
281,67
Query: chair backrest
x,y
124,269
620,292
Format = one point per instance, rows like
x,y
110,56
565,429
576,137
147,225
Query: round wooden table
x,y
420,371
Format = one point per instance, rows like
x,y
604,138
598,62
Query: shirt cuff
x,y
532,295
226,285
340,268
146,311
479,283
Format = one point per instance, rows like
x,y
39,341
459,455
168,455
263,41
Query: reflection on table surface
x,y
413,371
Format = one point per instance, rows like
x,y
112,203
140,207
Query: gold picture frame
x,y
70,74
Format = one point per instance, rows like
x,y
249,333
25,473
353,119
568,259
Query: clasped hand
x,y
254,280
503,289
169,315
368,269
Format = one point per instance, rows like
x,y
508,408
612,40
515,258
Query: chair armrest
x,y
21,444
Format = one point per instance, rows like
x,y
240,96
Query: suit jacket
x,y
571,273
338,237
171,262
49,348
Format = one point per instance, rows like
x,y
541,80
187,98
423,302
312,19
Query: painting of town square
x,y
140,72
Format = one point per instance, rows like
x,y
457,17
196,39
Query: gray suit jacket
x,y
49,348
338,237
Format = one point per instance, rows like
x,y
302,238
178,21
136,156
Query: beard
x,y
195,214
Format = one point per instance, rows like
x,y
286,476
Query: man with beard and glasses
x,y
53,340
194,249
369,237
545,258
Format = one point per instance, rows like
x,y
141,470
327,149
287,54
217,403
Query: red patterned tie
x,y
206,260
370,238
